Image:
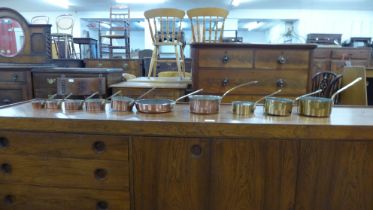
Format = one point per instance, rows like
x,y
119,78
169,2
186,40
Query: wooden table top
x,y
162,80
133,84
356,123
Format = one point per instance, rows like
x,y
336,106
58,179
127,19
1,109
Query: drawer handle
x,y
196,150
4,142
281,59
51,81
102,205
225,82
6,101
100,173
15,77
99,146
280,83
9,199
6,168
225,59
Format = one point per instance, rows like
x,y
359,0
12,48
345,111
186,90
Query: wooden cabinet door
x,y
170,173
253,174
335,176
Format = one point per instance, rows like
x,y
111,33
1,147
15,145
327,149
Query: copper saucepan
x,y
209,104
53,103
318,106
125,104
282,106
246,108
155,106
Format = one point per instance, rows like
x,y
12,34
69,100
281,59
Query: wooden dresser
x,y
219,67
334,59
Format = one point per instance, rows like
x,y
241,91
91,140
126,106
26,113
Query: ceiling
x,y
103,5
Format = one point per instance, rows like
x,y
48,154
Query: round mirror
x,y
12,37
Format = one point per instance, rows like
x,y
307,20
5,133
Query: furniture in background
x,y
63,39
40,20
165,29
328,82
165,66
167,88
217,67
130,66
357,94
324,39
91,45
15,70
45,79
114,41
207,24
334,59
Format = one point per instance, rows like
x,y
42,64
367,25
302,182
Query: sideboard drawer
x,y
352,53
292,82
9,96
64,145
13,76
64,172
282,59
24,197
226,58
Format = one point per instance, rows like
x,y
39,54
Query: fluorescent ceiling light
x,y
140,1
253,25
235,3
61,3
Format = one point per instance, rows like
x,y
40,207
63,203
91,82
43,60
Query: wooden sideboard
x,y
181,161
45,79
131,66
218,67
335,59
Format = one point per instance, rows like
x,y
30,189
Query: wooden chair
x,y
165,29
322,80
40,20
207,24
334,85
64,36
357,94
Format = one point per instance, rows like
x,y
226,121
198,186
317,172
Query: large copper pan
x,y
318,106
155,106
209,104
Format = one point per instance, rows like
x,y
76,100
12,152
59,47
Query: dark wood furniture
x,y
166,66
335,59
131,66
37,42
218,67
181,161
91,45
45,79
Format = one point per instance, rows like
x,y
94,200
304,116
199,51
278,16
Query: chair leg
x,y
156,62
178,62
153,59
183,59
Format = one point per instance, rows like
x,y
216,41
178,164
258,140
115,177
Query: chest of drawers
x,y
63,171
219,67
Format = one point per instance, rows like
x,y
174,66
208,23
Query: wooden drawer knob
x,y
225,59
225,82
281,59
196,150
102,205
6,168
4,142
280,83
9,199
100,173
99,146
15,77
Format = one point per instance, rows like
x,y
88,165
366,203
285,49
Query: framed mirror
x,y
22,42
12,37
